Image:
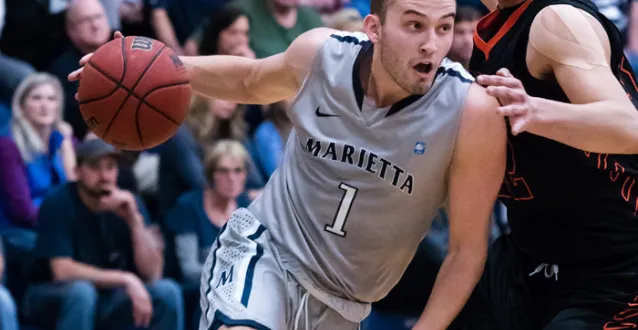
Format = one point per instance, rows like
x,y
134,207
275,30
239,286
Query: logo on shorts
x,y
225,277
419,148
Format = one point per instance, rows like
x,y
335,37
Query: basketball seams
x,y
132,90
155,89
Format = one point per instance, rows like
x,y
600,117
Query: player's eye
x,y
445,27
414,26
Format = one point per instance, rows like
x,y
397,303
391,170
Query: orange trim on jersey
x,y
486,47
631,76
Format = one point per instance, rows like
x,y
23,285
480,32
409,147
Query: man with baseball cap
x,y
106,264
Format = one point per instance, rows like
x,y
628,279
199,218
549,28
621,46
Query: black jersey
x,y
565,206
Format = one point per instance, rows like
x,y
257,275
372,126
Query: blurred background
x,y
184,189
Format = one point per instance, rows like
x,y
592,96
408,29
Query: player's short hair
x,y
380,8
225,147
467,14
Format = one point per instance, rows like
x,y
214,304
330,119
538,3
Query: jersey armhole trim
x,y
316,64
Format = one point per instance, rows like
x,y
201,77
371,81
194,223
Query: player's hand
x,y
515,102
140,300
77,74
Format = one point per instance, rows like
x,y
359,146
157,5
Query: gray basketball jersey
x,y
358,186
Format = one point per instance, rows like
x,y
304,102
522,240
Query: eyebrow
x,y
414,12
452,14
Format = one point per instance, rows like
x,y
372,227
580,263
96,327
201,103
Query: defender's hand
x,y
515,102
77,74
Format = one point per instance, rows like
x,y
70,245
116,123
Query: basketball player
x,y
386,130
570,97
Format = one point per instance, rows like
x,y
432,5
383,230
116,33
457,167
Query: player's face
x,y
414,39
230,177
463,43
222,109
41,106
236,35
98,176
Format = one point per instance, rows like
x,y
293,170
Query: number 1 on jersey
x,y
343,210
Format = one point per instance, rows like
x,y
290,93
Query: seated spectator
x,y
199,214
271,136
195,221
175,21
347,19
463,42
12,71
181,157
274,24
35,156
8,312
87,28
226,32
105,263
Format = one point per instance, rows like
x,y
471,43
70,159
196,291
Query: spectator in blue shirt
x,y
182,156
36,155
105,264
270,137
199,214
195,221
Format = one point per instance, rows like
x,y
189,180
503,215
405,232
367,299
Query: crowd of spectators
x,y
92,237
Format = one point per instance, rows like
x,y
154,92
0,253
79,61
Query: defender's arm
x,y
601,119
476,174
250,81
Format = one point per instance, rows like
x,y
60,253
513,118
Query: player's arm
x,y
490,4
476,174
256,81
575,49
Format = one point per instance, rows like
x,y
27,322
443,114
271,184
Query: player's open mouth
x,y
424,68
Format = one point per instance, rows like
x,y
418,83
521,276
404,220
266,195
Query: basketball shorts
x,y
517,292
245,284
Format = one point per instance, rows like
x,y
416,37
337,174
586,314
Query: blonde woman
x,y
181,157
37,154
198,215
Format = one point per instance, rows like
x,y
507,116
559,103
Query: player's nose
x,y
429,45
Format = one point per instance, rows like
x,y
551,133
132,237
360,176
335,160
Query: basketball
x,y
134,93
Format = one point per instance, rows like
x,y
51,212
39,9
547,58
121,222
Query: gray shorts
x,y
245,284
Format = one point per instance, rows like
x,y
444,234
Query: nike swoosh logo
x,y
320,114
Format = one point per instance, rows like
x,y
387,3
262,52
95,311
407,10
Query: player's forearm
x,y
454,284
239,79
66,269
146,252
609,127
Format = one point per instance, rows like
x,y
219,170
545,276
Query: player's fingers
x,y
512,110
75,75
519,126
85,59
493,80
504,72
118,35
502,93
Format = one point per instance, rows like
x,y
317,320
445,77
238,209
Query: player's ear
x,y
372,27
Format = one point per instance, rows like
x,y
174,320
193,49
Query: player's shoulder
x,y
316,39
479,104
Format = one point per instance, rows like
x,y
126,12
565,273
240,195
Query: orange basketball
x,y
134,93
